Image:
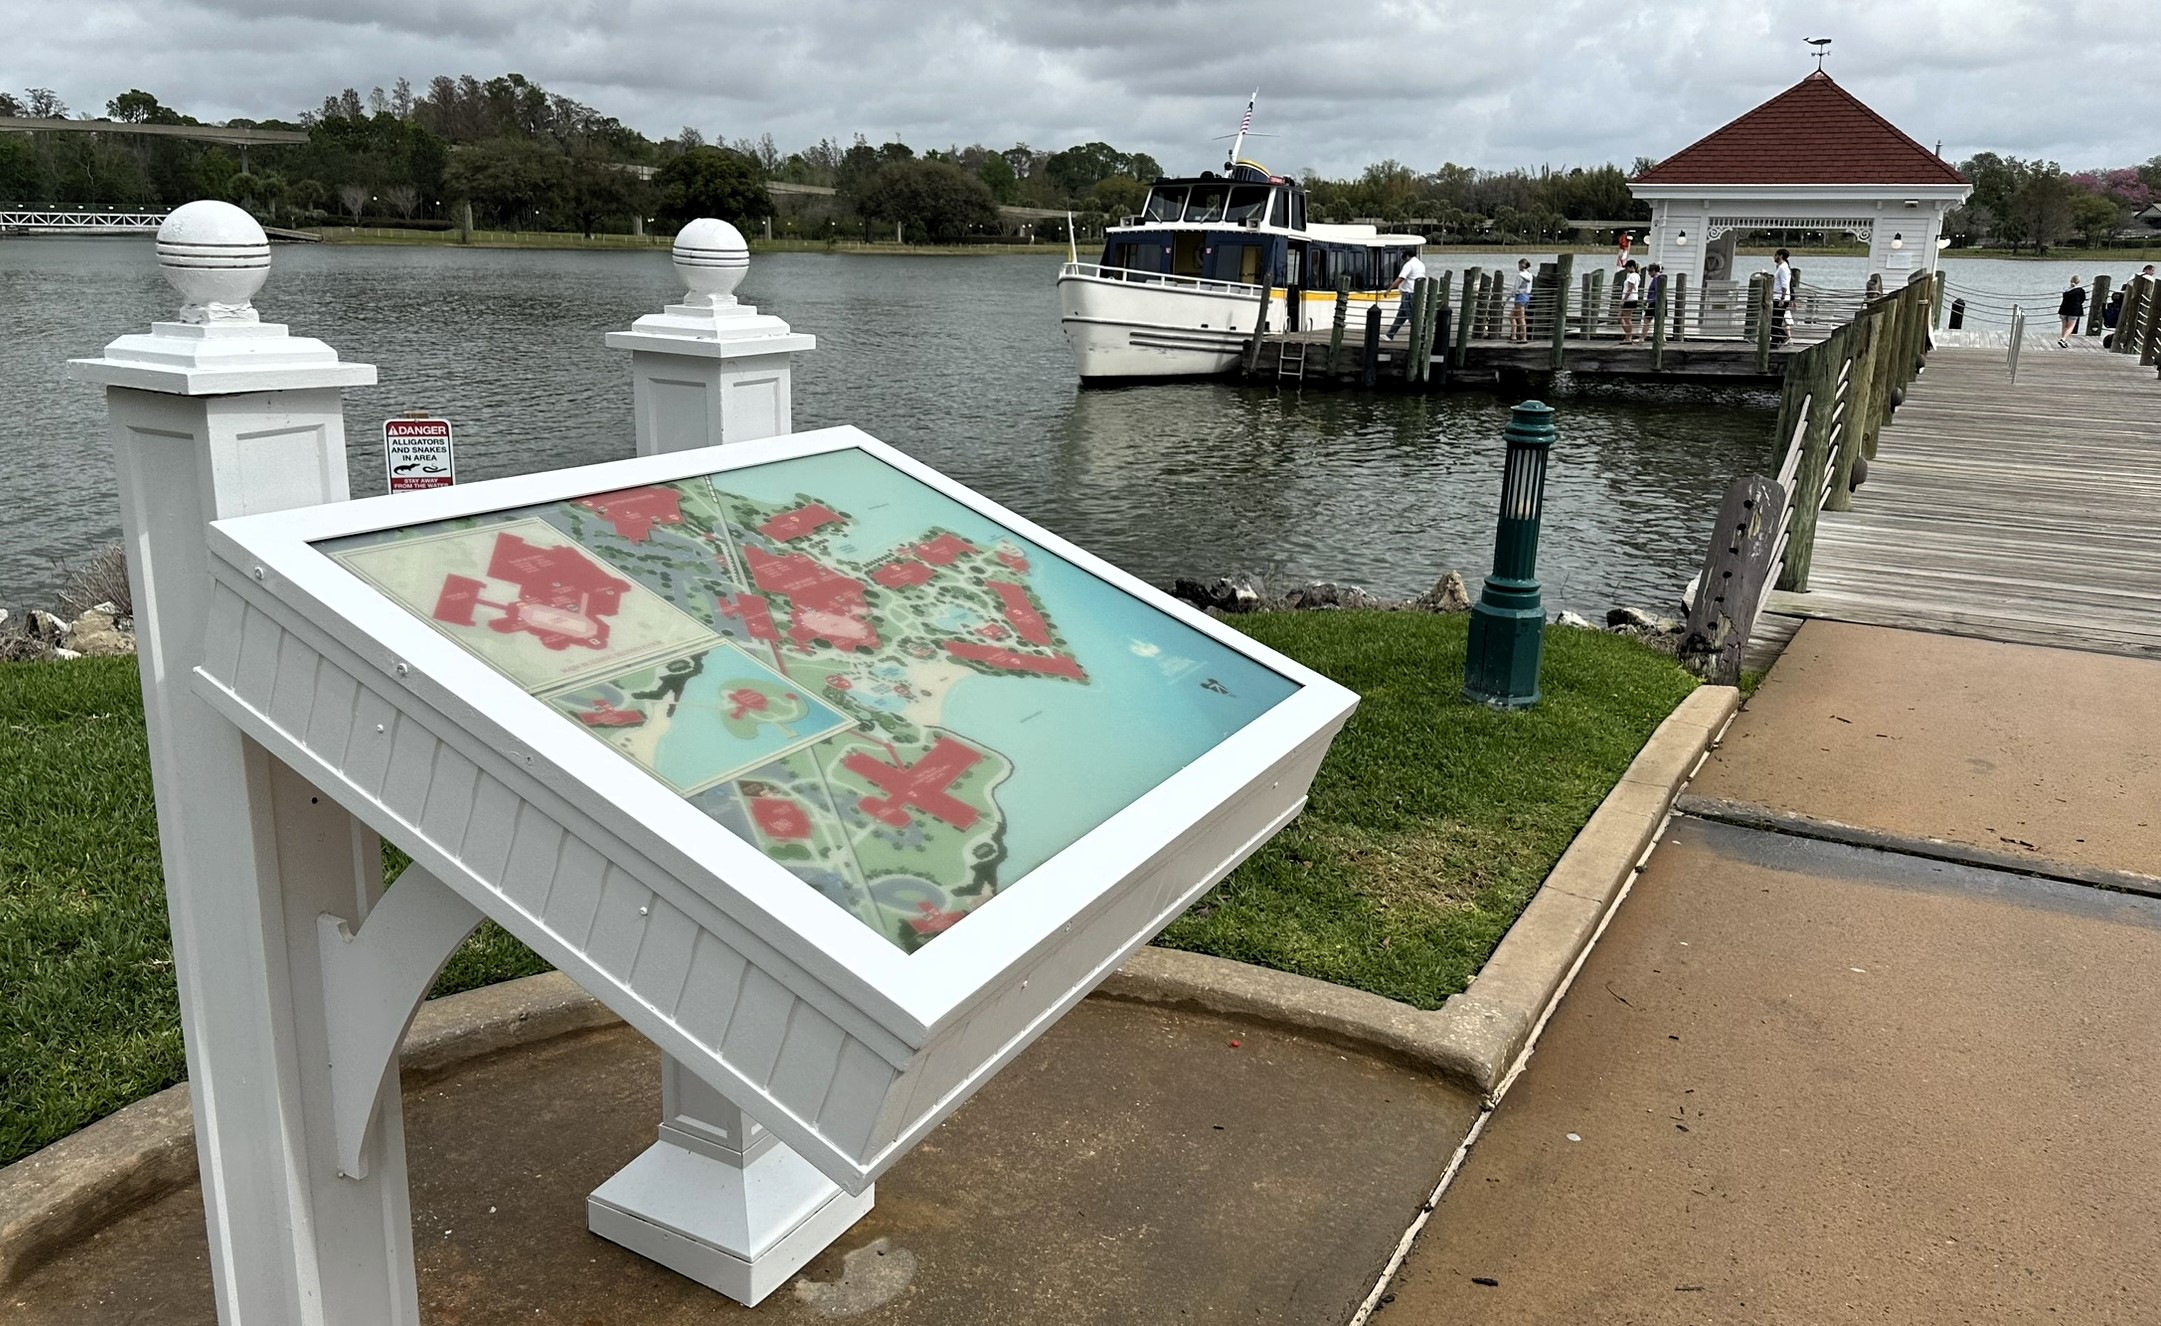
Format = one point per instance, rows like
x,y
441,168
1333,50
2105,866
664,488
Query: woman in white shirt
x,y
1519,303
1631,300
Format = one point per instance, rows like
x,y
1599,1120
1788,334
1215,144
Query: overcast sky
x,y
1482,82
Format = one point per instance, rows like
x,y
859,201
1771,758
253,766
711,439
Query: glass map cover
x,y
896,698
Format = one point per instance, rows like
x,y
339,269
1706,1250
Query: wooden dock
x,y
1303,357
2026,511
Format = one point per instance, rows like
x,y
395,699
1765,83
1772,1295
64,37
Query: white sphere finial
x,y
217,257
712,259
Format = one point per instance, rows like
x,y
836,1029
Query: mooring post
x,y
1464,328
2097,305
1766,316
1680,306
1658,330
1594,304
1335,334
212,415
1260,327
1421,308
1369,370
2127,316
1564,275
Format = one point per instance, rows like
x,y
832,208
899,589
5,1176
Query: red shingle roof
x,y
1814,132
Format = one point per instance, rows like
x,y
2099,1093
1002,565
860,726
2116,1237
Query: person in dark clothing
x,y
2072,309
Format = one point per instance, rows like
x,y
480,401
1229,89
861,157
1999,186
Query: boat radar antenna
x,y
1245,131
1819,43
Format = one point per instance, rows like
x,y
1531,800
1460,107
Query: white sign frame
x,y
918,1033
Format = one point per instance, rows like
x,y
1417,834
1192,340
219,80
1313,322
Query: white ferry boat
x,y
1178,287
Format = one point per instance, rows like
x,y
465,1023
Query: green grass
x,y
1433,820
1431,824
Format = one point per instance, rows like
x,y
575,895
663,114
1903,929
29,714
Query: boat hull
x,y
1124,326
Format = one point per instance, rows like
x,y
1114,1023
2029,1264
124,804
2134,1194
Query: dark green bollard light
x,y
1508,625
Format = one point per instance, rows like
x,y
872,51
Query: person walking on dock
x,y
2072,309
1519,304
1631,299
1781,298
1414,271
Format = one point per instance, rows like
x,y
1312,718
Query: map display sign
x,y
417,453
890,694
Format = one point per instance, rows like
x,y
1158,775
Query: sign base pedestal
x,y
742,1230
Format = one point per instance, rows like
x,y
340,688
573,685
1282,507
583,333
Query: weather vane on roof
x,y
1819,43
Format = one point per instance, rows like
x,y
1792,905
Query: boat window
x,y
1295,201
1290,268
1207,203
1165,204
1318,272
1249,202
1138,255
1235,262
1186,253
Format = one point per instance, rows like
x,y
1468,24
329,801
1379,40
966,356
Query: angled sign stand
x,y
836,780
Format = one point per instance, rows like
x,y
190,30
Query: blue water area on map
x,y
1080,753
704,742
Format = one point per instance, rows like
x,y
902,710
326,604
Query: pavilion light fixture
x,y
1898,241
1681,239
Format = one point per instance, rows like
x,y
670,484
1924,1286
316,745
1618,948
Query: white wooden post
x,y
716,1197
710,370
220,414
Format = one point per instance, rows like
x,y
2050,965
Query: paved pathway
x,y
1134,1166
1800,1081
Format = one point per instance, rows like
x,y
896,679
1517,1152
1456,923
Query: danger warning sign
x,y
417,453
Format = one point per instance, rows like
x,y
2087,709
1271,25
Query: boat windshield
x,y
1166,203
1249,202
1208,202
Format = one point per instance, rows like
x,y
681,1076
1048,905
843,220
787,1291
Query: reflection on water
x,y
958,361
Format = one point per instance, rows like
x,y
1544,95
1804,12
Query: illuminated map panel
x,y
898,699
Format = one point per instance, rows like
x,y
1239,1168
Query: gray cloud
x,y
1483,82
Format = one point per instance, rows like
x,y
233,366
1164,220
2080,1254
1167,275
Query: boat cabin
x,y
1248,227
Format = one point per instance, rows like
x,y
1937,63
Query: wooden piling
x,y
1819,370
1658,330
1335,333
1564,273
1679,331
2150,332
1464,329
1369,370
2096,305
1851,359
1766,318
1260,328
1436,310
1421,294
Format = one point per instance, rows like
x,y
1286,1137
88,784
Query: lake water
x,y
958,361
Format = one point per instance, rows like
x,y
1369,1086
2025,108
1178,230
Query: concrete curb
x,y
85,1181
90,1178
1748,815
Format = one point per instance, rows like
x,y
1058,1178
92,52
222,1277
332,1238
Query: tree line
x,y
521,157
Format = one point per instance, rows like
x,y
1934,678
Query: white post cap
x,y
217,257
712,259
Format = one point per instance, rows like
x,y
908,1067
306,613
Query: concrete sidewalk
x,y
1800,1081
1135,1165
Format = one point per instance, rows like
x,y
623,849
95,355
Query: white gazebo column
x,y
716,1197
218,414
710,370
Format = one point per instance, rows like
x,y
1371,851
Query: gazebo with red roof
x,y
1811,159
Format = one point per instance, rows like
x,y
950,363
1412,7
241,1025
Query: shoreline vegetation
x,y
545,240
1431,824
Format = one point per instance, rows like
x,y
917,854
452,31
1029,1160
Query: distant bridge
x,y
63,221
241,134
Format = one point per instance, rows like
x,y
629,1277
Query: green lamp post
x,y
1508,624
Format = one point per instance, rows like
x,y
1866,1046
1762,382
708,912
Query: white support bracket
x,y
373,983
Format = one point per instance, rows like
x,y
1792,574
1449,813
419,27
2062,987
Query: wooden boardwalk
x,y
2027,512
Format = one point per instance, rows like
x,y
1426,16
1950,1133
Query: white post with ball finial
x,y
716,1197
710,370
220,414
